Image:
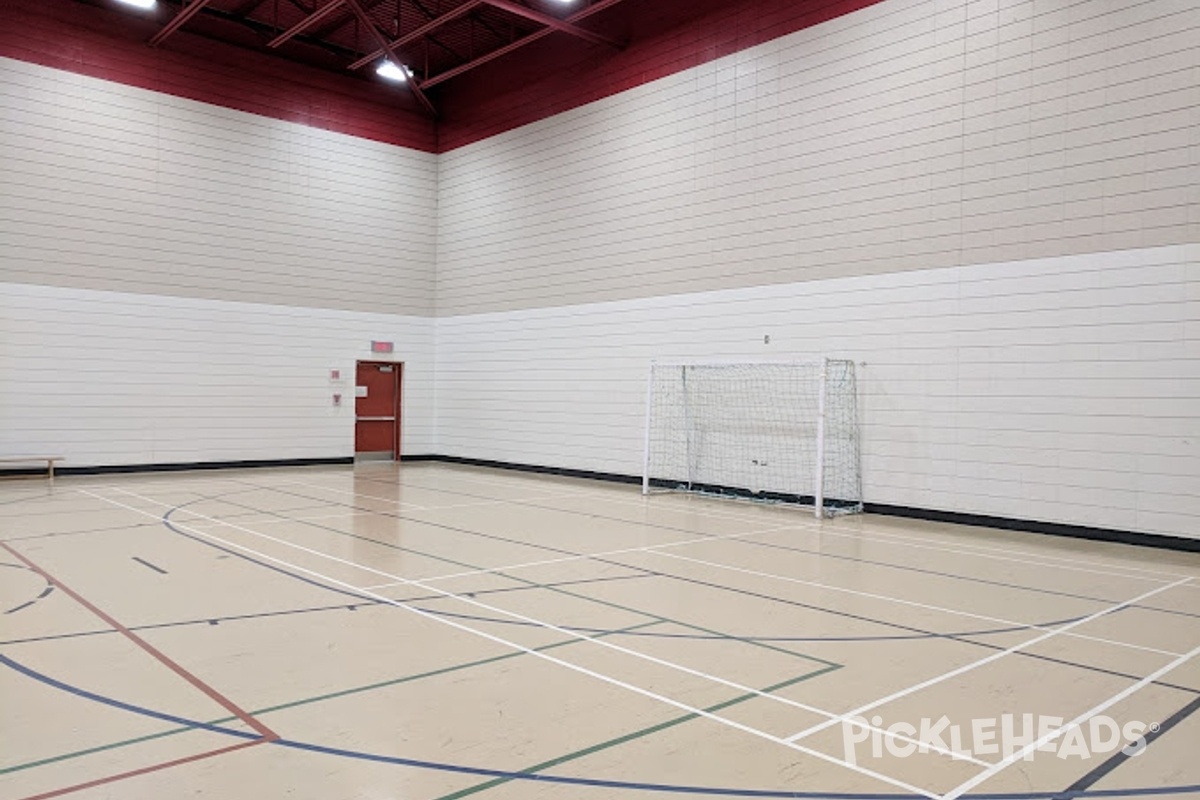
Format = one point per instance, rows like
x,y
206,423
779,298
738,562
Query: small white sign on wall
x,y
360,391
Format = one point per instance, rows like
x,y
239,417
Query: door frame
x,y
398,386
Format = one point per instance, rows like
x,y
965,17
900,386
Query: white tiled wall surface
x,y
992,204
111,187
107,378
914,134
1060,389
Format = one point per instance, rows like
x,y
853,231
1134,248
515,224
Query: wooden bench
x,y
33,460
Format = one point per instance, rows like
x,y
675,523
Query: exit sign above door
x,y
383,347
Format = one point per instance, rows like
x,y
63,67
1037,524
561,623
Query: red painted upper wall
x,y
551,76
559,73
112,45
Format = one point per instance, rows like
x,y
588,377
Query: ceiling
x,y
435,40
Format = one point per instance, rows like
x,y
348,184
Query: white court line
x,y
917,604
546,625
932,544
535,653
981,662
341,515
585,556
498,501
1013,554
479,502
1046,560
1022,554
809,525
380,498
978,551
1082,718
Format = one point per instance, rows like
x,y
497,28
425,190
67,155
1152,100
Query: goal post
x,y
785,431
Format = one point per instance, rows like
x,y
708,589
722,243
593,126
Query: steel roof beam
x,y
533,37
306,23
417,33
188,11
553,22
387,47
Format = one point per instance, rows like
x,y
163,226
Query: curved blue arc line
x,y
166,519
712,791
108,701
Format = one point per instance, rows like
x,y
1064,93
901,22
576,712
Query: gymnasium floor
x,y
429,631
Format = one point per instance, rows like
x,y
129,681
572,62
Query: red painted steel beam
x,y
387,47
417,33
519,43
187,12
553,22
306,23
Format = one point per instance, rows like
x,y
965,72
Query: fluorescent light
x,y
146,4
390,71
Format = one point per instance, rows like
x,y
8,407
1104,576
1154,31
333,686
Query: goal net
x,y
782,431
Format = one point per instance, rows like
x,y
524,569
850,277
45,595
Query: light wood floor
x,y
428,631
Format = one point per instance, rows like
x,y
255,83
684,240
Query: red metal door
x,y
377,409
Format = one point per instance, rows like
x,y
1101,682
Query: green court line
x,y
629,737
654,619
97,749
534,584
315,699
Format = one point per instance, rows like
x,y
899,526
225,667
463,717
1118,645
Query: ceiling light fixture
x,y
392,72
143,4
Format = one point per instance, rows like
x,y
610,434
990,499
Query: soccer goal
x,y
782,431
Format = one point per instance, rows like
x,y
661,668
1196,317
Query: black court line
x,y
73,533
782,600
133,525
1120,757
954,576
1174,721
771,598
530,584
146,563
674,529
46,591
365,603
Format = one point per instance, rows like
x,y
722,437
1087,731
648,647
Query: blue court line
x,y
1062,795
914,632
817,553
711,791
108,701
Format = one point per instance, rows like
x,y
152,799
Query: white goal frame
x,y
822,370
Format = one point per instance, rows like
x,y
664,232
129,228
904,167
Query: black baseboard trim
x,y
118,469
932,515
1037,526
612,477
883,509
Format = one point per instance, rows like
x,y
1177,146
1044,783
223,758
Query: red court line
x,y
152,768
226,703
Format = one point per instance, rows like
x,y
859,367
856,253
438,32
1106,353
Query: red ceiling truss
x,y
435,40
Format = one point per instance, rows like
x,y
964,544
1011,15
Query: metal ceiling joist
x,y
306,23
519,43
553,22
417,33
188,11
387,47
